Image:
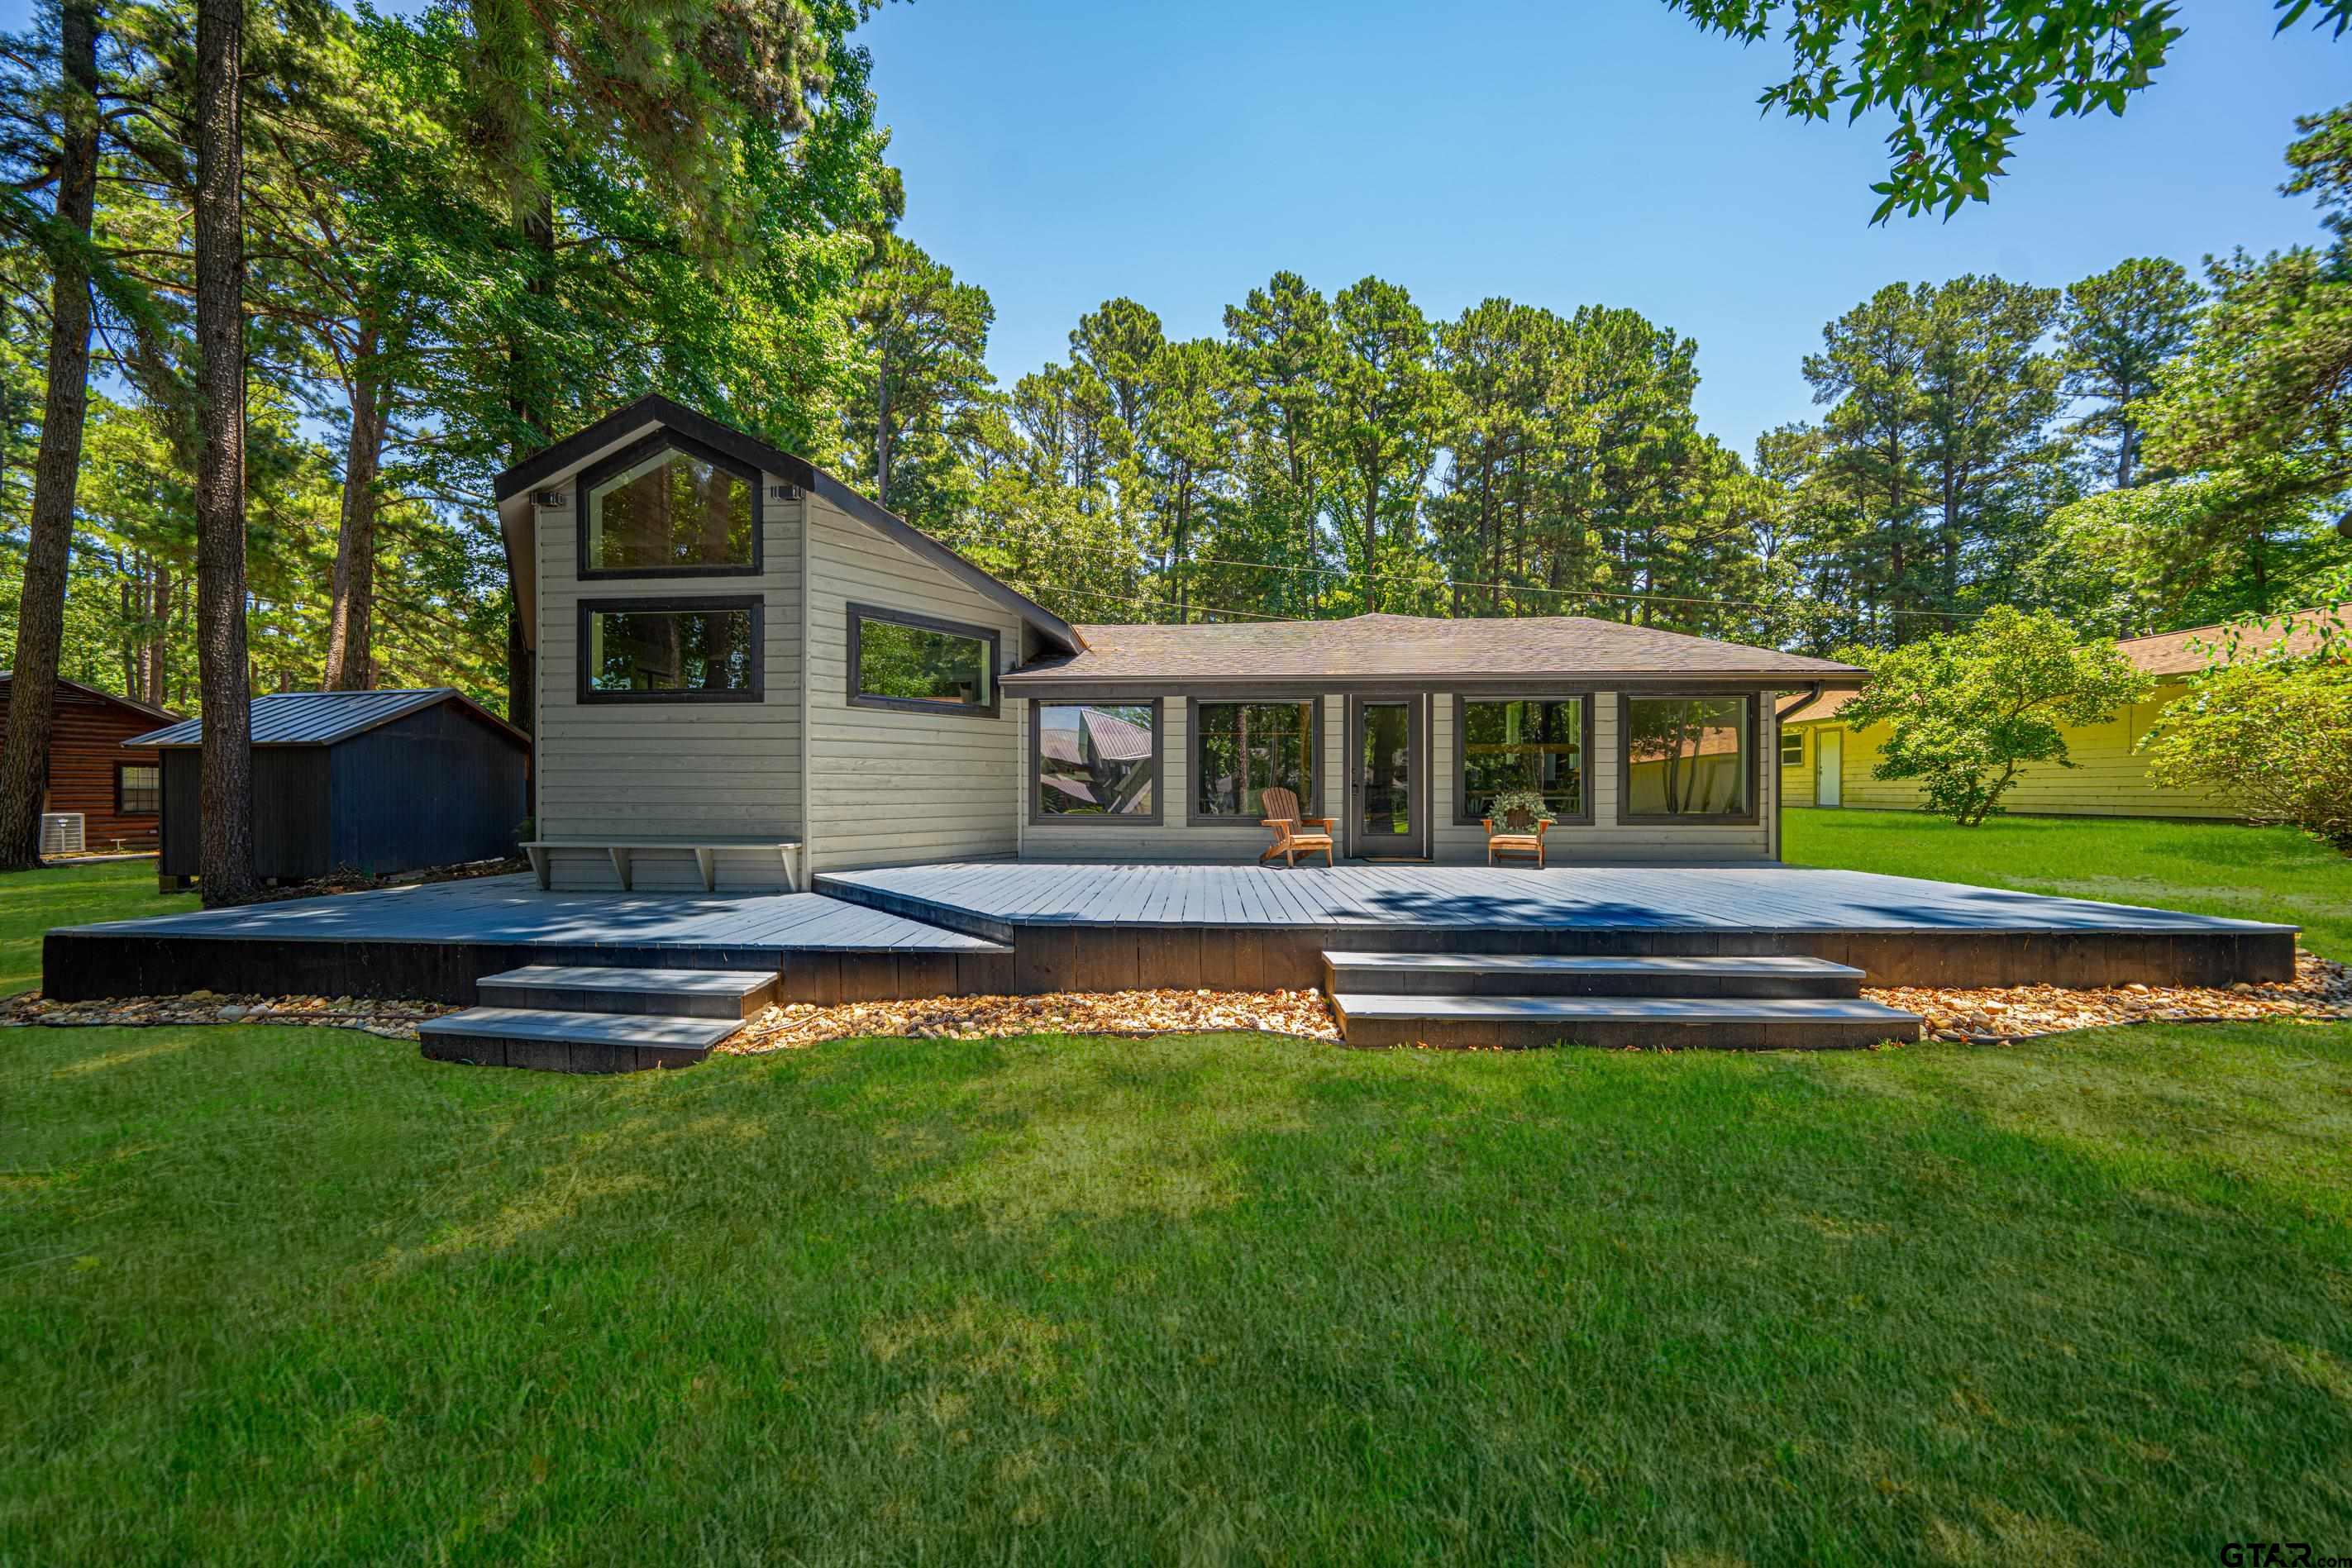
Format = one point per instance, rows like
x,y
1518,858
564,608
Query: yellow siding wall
x,y
2109,779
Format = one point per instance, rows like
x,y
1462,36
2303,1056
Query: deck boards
x,y
1726,898
511,910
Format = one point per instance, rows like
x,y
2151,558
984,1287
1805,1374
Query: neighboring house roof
x,y
1413,647
2166,653
654,409
8,680
321,719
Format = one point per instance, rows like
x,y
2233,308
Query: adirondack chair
x,y
1521,833
1281,808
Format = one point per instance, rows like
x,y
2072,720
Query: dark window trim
x,y
122,810
1462,701
593,607
1748,818
637,452
1193,816
1036,785
857,612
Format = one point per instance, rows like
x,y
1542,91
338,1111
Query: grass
x,y
32,902
286,1295
290,1295
2209,868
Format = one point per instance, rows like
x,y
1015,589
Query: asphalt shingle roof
x,y
1406,647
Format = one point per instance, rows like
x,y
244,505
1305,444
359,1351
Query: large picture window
x,y
1094,762
668,506
1512,744
687,650
903,660
138,789
1689,758
1242,750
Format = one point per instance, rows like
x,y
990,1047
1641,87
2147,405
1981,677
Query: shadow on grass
x,y
287,1297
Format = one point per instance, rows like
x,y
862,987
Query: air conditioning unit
x,y
61,833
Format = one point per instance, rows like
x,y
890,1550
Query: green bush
x,y
1970,708
2273,734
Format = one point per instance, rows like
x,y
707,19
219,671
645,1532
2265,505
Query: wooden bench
x,y
705,853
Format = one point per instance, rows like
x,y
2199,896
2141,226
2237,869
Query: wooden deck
x,y
1034,928
436,939
1075,925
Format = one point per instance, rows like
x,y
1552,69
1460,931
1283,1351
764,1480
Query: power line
x,y
1576,593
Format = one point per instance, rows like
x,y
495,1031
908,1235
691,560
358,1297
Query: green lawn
x,y
287,1296
32,902
2252,873
293,1295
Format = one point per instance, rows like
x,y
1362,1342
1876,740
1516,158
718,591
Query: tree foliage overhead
x,y
1959,75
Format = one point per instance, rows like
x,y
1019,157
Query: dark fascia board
x,y
1047,683
425,700
654,408
8,678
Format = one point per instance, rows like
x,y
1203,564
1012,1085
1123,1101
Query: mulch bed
x,y
2320,992
794,1025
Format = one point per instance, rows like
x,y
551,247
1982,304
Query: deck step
x,y
1559,975
674,993
561,1041
1721,1023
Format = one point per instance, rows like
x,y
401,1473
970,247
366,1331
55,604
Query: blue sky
x,y
1059,153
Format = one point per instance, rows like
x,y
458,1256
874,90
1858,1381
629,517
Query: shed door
x,y
1829,766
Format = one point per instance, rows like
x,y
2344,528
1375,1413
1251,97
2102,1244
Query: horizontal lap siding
x,y
887,786
85,737
668,770
2109,779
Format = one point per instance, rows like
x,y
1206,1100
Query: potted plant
x,y
1520,809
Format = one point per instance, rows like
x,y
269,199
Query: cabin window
x,y
1523,743
1240,751
138,789
1094,762
1792,748
703,650
902,660
1687,758
668,506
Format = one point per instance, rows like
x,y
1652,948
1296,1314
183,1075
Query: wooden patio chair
x,y
1281,808
1516,837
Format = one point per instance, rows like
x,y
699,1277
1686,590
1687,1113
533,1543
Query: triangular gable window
x,y
669,507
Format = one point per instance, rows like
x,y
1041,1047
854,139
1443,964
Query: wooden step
x,y
1719,1023
554,1042
1557,975
674,993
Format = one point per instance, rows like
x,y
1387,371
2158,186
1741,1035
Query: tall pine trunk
x,y
226,857
41,617
528,403
351,615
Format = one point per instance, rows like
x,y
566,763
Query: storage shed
x,y
373,782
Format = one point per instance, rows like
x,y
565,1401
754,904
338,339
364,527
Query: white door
x,y
1829,766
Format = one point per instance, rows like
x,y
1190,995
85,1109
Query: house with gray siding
x,y
747,675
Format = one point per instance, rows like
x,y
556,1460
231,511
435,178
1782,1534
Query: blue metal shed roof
x,y
319,719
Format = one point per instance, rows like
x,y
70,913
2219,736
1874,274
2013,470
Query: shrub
x,y
2275,735
1968,708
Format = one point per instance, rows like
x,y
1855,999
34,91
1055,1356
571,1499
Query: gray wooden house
x,y
748,674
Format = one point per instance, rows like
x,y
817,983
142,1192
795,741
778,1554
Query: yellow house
x,y
1824,762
